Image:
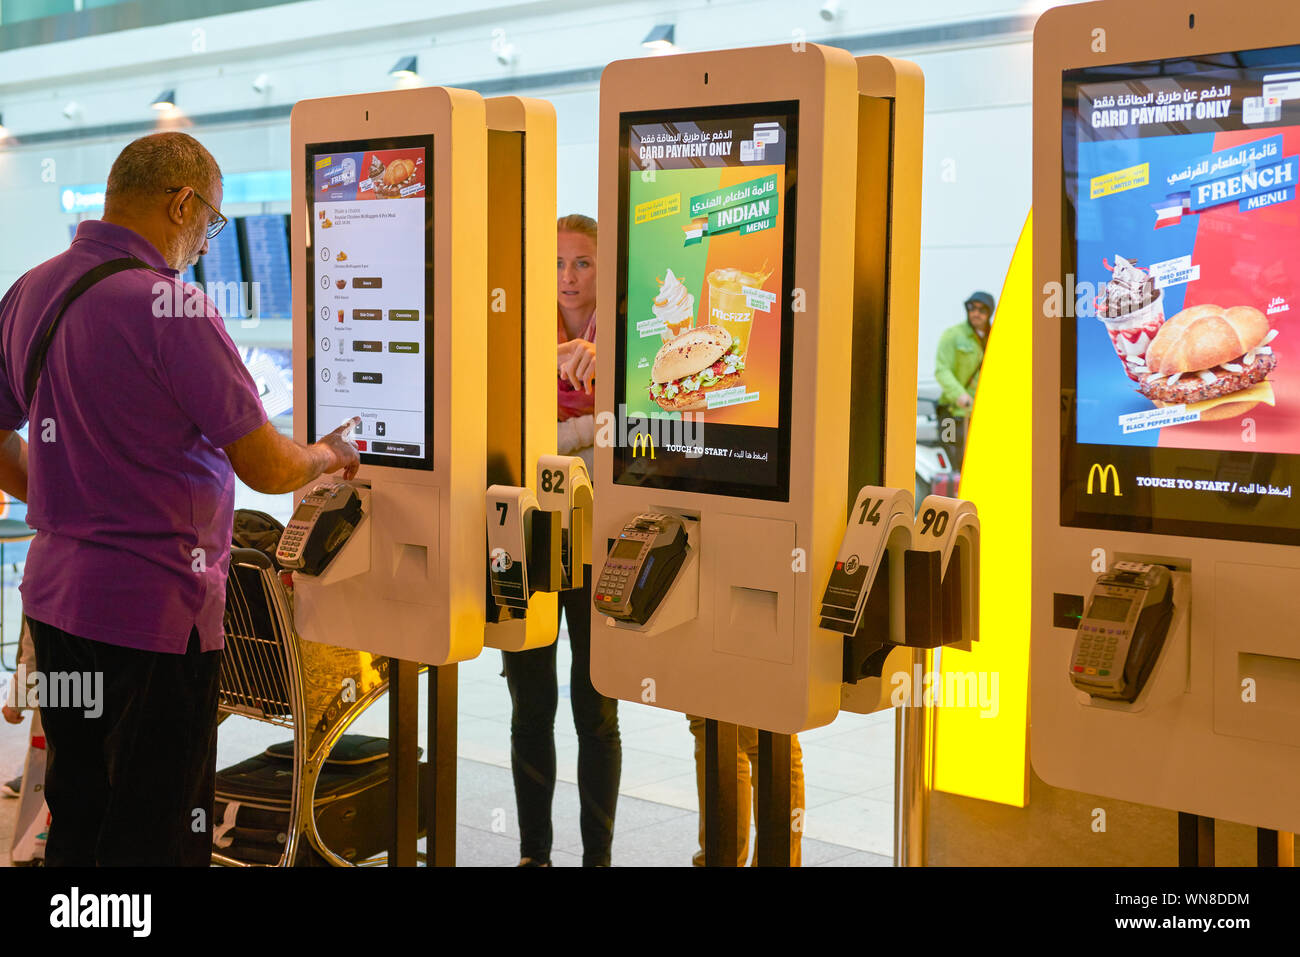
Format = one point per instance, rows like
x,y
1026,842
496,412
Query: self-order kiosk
x,y
390,287
1165,662
755,378
426,320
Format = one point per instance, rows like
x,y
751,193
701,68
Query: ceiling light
x,y
407,66
660,38
166,100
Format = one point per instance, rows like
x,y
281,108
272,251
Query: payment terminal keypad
x,y
1101,648
1121,630
613,590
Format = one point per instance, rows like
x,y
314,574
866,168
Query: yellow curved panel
x,y
975,754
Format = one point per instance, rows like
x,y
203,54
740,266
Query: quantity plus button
x,y
372,378
407,347
367,313
396,448
367,282
404,315
366,345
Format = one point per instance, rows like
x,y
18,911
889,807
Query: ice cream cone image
x,y
675,305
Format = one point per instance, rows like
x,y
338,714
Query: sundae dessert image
x,y
697,362
1214,356
1133,310
675,305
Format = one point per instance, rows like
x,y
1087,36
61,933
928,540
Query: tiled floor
x,y
848,768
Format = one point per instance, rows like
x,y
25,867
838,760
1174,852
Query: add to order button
x,y
407,347
404,315
367,345
367,282
371,378
396,448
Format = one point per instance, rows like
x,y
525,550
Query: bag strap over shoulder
x,y
36,361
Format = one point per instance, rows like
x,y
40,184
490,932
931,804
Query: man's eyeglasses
x,y
214,227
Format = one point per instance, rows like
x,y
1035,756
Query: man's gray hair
x,y
159,162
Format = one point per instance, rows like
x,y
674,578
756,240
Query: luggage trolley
x,y
316,691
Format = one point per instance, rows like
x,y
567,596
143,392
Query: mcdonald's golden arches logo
x,y
1107,475
642,441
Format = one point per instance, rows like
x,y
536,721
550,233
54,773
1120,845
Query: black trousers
x,y
129,777
534,697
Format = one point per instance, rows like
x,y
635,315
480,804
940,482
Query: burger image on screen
x,y
1212,359
687,368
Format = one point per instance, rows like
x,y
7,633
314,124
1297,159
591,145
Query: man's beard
x,y
184,253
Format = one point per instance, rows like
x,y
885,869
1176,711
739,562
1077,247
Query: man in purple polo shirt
x,y
140,420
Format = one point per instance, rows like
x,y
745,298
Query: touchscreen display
x,y
1181,352
370,296
705,239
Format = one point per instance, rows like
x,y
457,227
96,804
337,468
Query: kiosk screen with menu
x,y
370,296
1180,297
704,332
265,244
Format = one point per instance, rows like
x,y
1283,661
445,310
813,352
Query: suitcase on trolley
x,y
351,808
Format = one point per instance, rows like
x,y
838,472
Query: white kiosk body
x,y
725,179
1165,660
390,297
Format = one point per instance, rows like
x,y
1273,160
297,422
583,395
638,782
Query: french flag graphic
x,y
1171,210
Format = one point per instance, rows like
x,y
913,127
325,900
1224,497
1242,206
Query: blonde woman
x,y
531,674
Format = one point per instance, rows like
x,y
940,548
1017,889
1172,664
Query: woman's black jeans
x,y
534,695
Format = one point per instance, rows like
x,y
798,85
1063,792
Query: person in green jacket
x,y
957,364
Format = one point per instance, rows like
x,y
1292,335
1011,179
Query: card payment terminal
x,y
321,524
1122,630
640,567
